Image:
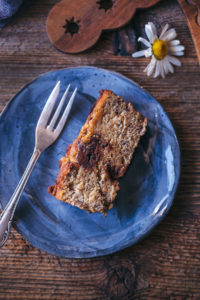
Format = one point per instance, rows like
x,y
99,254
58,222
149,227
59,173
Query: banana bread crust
x,y
101,153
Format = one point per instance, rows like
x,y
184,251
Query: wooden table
x,y
166,264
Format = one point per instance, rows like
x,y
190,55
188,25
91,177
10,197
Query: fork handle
x,y
6,216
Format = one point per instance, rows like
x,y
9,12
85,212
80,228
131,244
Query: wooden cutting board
x,y
191,9
74,26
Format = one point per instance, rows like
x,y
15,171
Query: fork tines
x,y
44,120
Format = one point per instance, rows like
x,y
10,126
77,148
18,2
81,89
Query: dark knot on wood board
x,y
120,283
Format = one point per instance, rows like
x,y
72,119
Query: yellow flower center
x,y
159,49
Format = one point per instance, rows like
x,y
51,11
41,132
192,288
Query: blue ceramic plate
x,y
146,191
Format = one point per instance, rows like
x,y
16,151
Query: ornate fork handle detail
x,y
8,213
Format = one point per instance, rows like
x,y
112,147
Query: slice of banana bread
x,y
99,155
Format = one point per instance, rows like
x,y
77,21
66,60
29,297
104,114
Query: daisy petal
x,y
165,66
162,69
169,66
175,49
151,66
151,69
144,41
169,35
150,32
157,71
179,53
153,28
173,43
139,53
163,31
175,61
148,52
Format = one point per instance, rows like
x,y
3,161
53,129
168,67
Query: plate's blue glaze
x,y
146,191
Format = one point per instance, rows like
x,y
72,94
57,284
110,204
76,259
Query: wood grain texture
x,y
166,264
74,26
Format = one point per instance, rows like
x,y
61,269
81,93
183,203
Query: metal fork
x,y
45,135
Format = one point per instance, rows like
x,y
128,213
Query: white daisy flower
x,y
162,49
